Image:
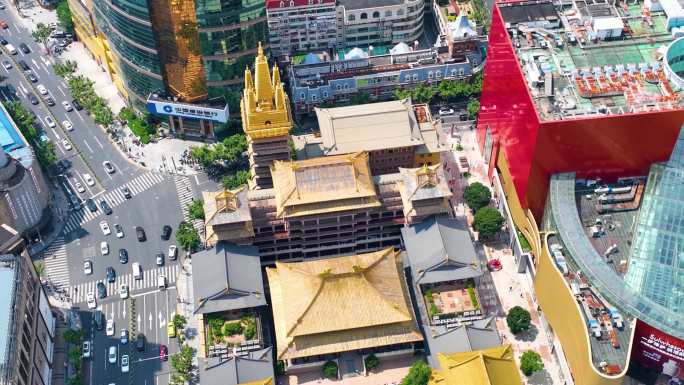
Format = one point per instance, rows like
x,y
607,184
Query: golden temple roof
x,y
340,304
495,366
265,381
324,184
226,207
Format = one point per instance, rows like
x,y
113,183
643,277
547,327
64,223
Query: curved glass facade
x,y
133,44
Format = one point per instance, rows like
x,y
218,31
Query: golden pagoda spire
x,y
249,84
276,76
262,76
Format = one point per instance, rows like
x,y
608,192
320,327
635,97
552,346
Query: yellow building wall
x,y
554,295
430,159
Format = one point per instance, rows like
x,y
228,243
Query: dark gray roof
x,y
440,249
515,13
227,277
257,366
480,335
363,4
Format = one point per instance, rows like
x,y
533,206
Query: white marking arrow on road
x,y
124,311
150,318
139,321
162,321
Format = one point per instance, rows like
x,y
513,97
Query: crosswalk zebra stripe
x,y
56,263
80,291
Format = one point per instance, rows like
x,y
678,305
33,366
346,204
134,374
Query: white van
x,y
137,271
161,282
11,49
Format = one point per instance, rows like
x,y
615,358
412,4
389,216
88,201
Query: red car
x,y
3,24
494,265
163,353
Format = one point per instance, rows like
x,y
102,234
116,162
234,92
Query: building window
x,y
314,98
400,12
339,87
388,13
415,77
430,75
346,86
364,16
291,3
408,78
438,75
474,62
282,4
376,15
460,72
325,94
351,18
302,96
453,73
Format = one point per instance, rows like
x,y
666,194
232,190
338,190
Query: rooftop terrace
x,y
586,58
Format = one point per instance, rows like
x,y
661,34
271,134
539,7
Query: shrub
x,y
487,222
330,370
531,362
232,328
280,368
518,319
418,374
372,362
196,209
477,196
473,295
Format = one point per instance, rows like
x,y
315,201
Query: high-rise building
x,y
266,120
27,325
181,59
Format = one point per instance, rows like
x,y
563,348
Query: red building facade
x,y
509,125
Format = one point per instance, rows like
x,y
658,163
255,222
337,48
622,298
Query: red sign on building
x,y
657,350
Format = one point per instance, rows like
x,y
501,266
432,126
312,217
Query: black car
x,y
123,256
105,207
76,105
3,41
91,205
98,317
111,274
126,192
50,101
140,342
33,99
140,233
31,76
166,233
23,65
101,290
24,48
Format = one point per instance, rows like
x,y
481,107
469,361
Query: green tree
x,y
72,336
518,319
361,98
102,114
179,321
74,354
65,69
473,109
372,362
488,221
41,35
232,328
238,179
280,368
423,93
187,236
64,16
45,152
40,269
330,370
531,362
81,88
181,363
419,374
402,94
477,196
250,330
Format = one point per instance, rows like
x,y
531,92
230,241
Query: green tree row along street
x,y
446,91
44,149
83,90
64,16
187,237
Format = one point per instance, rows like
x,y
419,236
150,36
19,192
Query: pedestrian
x,y
510,289
521,295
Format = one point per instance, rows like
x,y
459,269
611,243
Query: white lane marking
x,y
35,63
61,90
98,142
80,117
3,67
85,184
87,145
56,135
17,28
45,69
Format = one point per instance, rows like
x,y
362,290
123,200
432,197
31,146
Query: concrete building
x,y
402,135
322,80
342,308
27,325
298,27
266,120
24,195
325,206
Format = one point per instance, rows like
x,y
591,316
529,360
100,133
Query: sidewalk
x,y
60,210
185,306
164,155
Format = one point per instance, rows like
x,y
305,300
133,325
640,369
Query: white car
x,y
110,327
173,252
112,354
105,228
67,106
123,292
90,299
108,167
7,64
104,248
50,122
124,363
89,180
86,349
79,187
446,111
87,267
67,124
66,144
119,230
41,88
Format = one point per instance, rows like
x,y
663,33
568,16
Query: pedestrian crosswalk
x,y
185,197
114,198
79,292
56,264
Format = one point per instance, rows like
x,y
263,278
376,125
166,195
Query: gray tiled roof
x,y
258,365
227,277
440,249
480,335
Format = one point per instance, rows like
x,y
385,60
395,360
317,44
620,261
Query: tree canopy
x,y
44,150
187,236
181,363
196,209
419,374
41,35
235,180
64,16
518,319
476,196
531,362
488,221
